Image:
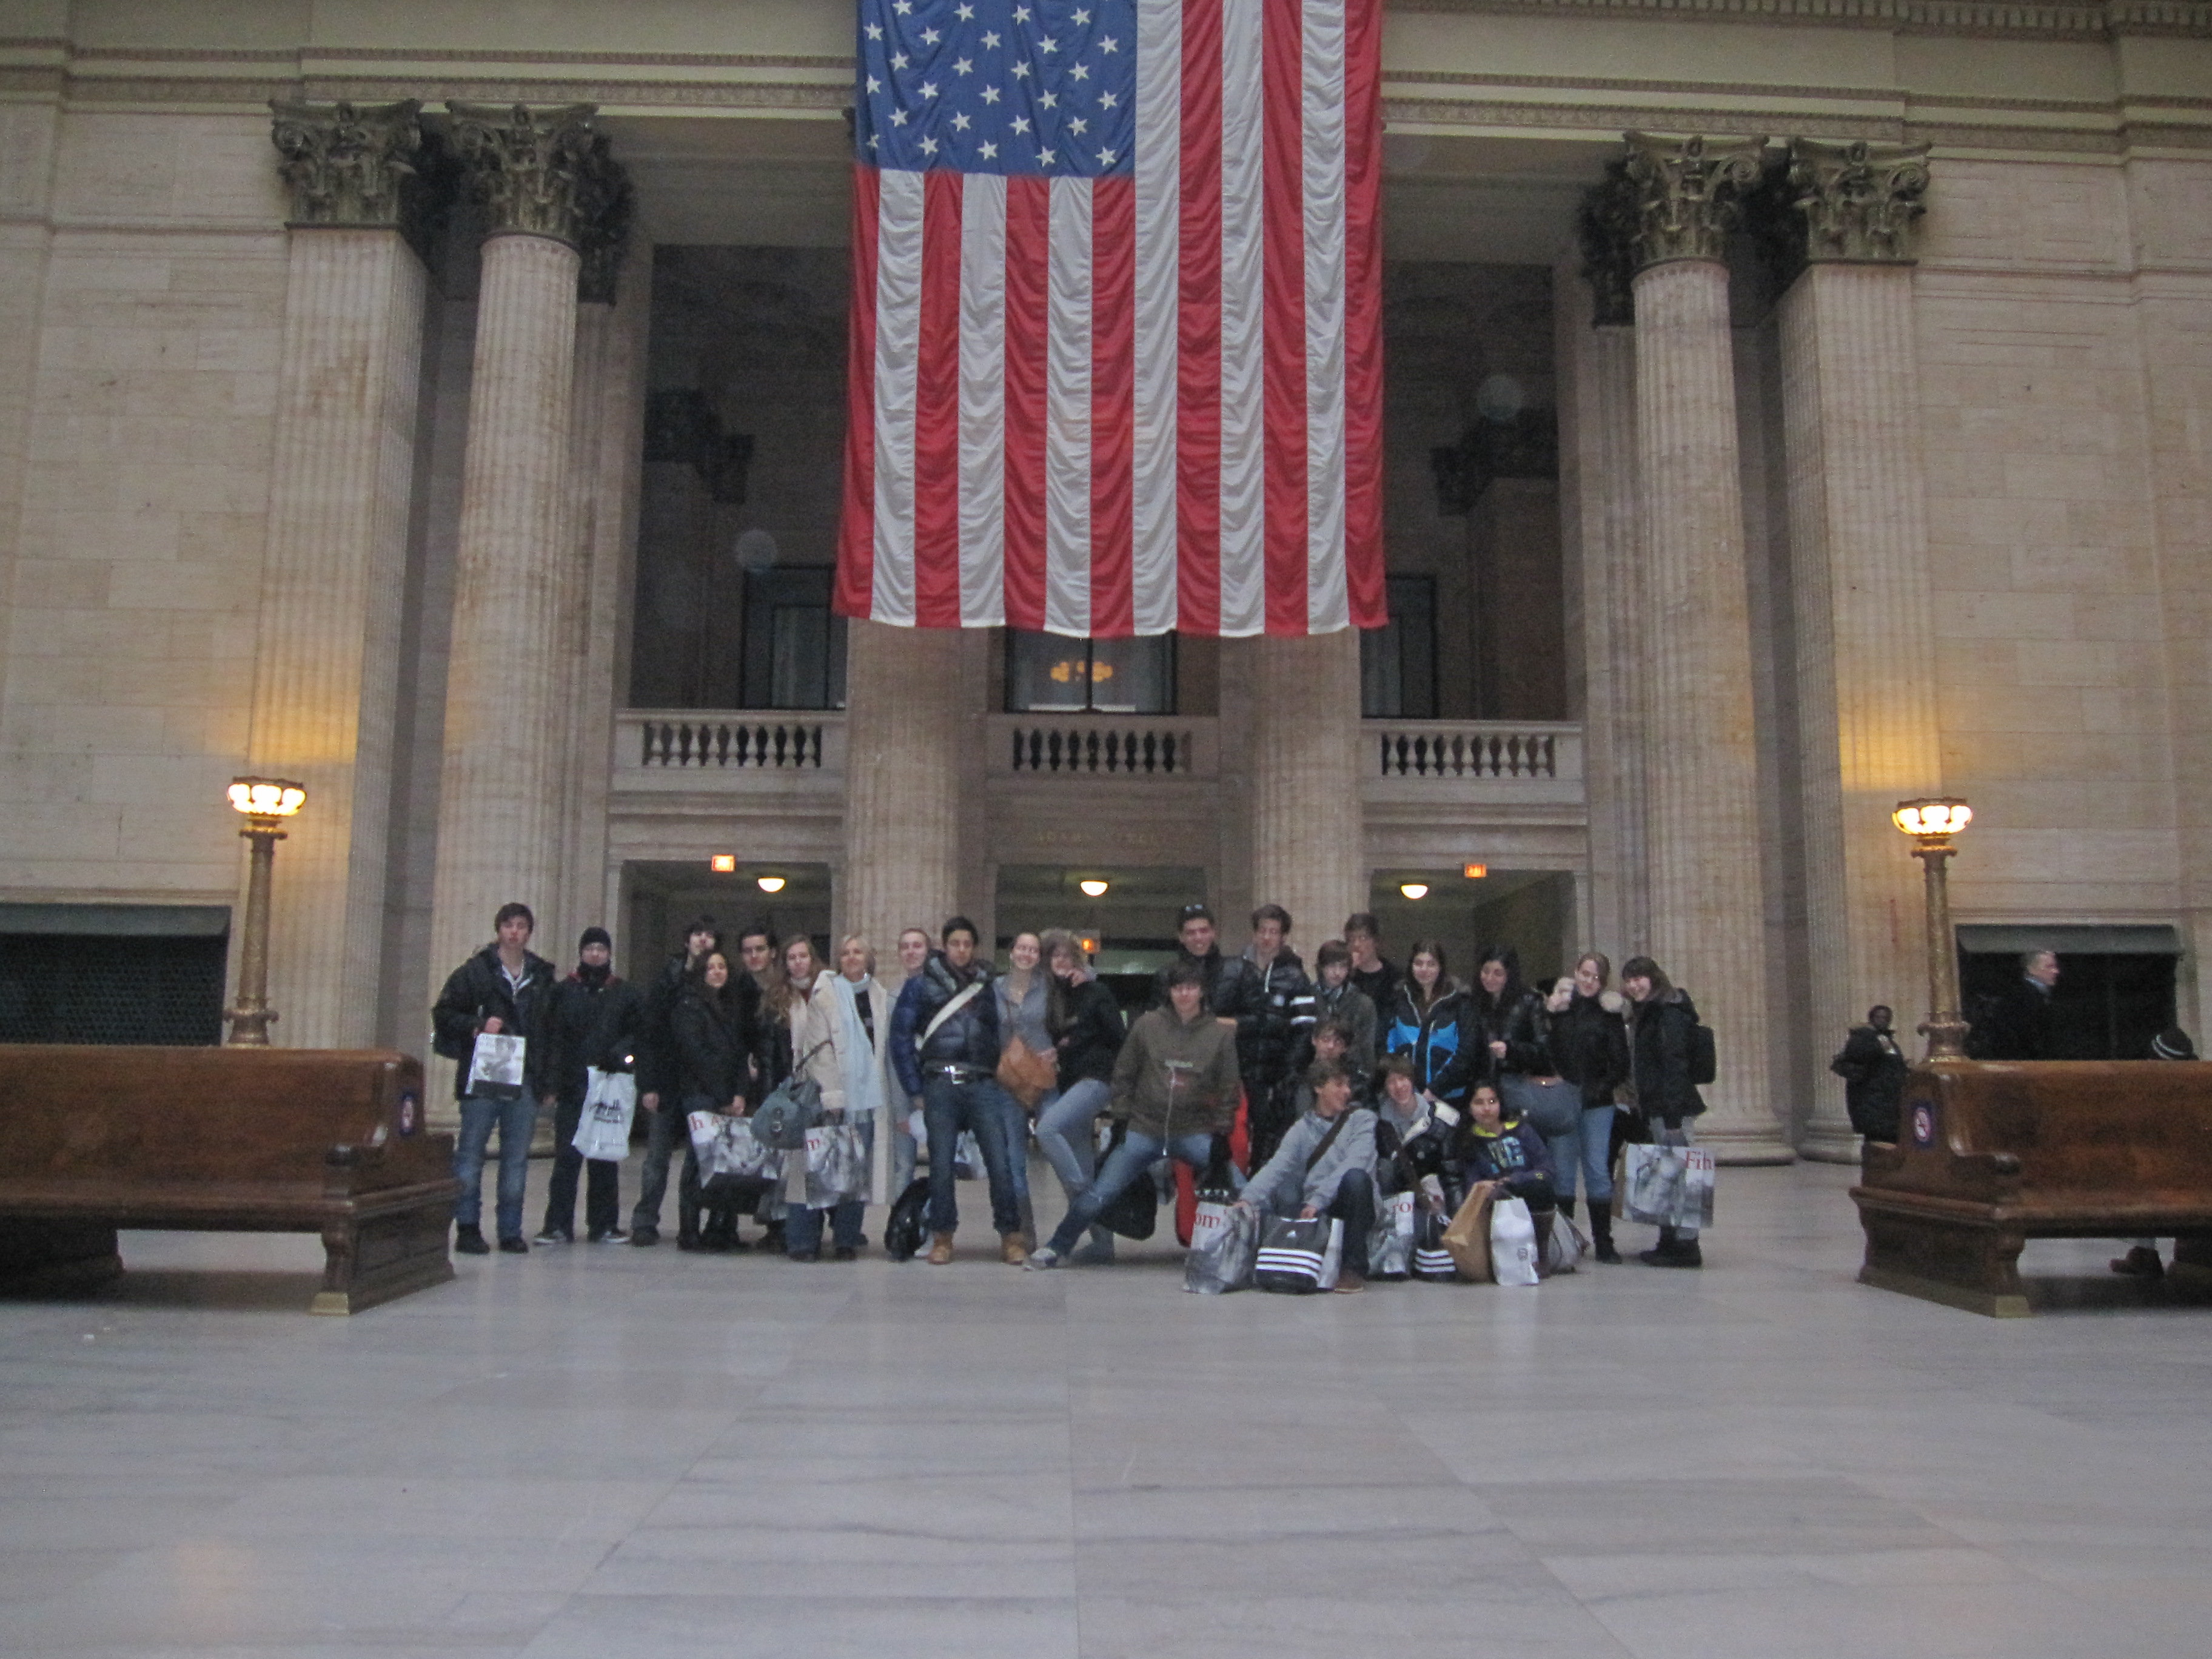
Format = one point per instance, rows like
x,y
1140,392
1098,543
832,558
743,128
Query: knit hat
x,y
2172,1043
595,936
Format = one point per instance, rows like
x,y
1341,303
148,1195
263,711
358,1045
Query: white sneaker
x,y
1042,1257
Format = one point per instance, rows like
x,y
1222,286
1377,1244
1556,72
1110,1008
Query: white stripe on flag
x,y
1159,276
1244,310
1067,413
898,344
982,400
1327,606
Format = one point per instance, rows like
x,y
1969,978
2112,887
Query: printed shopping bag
x,y
1564,1247
1666,1186
1390,1246
1225,1245
602,1131
1512,1243
1431,1260
496,1066
1299,1256
836,1165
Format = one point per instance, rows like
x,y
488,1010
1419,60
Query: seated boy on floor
x,y
1496,1148
1325,1166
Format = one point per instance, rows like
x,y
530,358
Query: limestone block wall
x,y
2044,546
146,419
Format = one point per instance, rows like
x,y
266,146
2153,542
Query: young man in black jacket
x,y
503,990
1266,1044
594,1025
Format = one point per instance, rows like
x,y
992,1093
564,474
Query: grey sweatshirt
x,y
1284,1185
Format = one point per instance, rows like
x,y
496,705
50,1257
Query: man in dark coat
x,y
2018,1027
502,990
593,1024
1873,1068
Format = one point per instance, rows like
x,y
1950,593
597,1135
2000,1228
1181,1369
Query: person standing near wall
x,y
1372,976
1873,1068
502,990
1269,1041
1661,1042
660,1094
1589,1042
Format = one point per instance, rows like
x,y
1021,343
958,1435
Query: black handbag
x,y
1134,1211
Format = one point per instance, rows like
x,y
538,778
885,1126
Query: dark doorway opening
x,y
2108,1004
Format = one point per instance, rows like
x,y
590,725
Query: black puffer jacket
x,y
714,1043
1659,1044
656,1053
1589,1049
1233,990
478,990
1268,1043
1515,1017
969,1038
1089,1034
594,1021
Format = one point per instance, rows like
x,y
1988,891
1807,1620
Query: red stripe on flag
x,y
1284,319
856,538
1029,242
1113,407
1198,365
937,408
1363,321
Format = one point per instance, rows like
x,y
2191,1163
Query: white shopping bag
x,y
496,1066
1224,1243
1666,1186
704,1126
1391,1245
1512,1243
603,1132
1563,1247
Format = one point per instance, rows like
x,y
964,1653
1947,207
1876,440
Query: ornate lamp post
x,y
1931,823
266,803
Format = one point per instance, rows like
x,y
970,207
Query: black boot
x,y
1567,1208
1662,1256
1601,1220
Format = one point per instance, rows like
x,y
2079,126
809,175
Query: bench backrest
x,y
2130,1129
98,1114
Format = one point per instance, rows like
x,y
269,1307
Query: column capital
x,y
1687,193
1605,227
344,163
526,165
1859,199
604,203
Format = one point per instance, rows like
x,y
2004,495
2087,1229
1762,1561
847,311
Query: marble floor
x,y
604,1451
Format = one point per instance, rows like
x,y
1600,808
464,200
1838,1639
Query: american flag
x,y
1116,341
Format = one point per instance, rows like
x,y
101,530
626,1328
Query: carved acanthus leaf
x,y
344,164
1859,199
526,165
1687,193
1605,227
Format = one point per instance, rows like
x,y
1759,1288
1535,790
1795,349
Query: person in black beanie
x,y
594,1023
2141,1260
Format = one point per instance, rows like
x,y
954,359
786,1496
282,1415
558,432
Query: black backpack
x,y
1704,1059
908,1224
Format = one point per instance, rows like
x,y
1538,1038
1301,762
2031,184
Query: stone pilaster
x,y
904,728
327,663
499,805
1308,853
1865,627
1705,853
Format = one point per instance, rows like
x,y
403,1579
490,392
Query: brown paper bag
x,y
1468,1237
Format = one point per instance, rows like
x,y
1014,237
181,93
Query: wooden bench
x,y
221,1140
1991,1154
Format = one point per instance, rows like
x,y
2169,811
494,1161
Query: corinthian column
x,y
326,669
1708,926
902,767
498,806
1308,851
1858,546
1598,468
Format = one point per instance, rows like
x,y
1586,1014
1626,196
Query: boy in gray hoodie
x,y
1325,1166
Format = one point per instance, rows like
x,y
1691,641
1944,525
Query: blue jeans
x,y
1128,1162
802,1227
1065,1133
1016,1123
1597,1156
515,1120
982,1108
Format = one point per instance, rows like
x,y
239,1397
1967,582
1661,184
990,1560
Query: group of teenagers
x,y
1301,1095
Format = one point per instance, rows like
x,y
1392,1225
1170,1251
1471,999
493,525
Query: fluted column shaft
x,y
325,684
1858,539
499,832
902,730
1707,914
1308,853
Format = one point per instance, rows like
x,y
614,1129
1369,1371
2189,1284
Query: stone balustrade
x,y
705,741
1108,745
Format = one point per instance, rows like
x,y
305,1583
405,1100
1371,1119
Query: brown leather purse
x,y
1025,1075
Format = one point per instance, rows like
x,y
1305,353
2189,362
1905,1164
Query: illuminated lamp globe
x,y
1093,889
266,798
1414,889
770,883
1934,817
